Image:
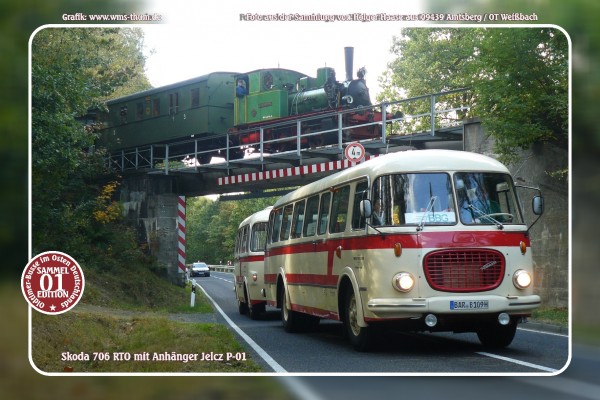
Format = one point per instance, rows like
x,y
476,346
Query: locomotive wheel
x,y
204,158
236,153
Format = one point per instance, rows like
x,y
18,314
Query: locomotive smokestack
x,y
349,57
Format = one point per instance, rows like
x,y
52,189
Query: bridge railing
x,y
427,113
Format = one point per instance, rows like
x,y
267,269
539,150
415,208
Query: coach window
x,y
195,96
324,213
298,219
139,111
123,113
339,210
173,103
311,216
360,193
155,107
286,222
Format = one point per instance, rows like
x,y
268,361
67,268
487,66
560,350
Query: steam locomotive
x,y
226,110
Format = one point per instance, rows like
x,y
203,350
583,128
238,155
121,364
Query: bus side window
x,y
298,219
286,222
311,216
339,210
358,221
324,213
275,225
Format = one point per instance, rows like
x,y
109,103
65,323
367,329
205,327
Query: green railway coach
x,y
198,107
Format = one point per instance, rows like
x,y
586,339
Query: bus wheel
x,y
497,336
242,307
289,318
358,335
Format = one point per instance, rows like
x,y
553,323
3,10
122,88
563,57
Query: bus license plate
x,y
469,305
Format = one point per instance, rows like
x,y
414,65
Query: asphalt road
x,y
325,351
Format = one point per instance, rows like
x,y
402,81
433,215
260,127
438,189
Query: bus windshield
x,y
486,198
413,199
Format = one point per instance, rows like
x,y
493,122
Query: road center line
x,y
512,360
259,350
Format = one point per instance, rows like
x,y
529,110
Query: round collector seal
x,y
52,282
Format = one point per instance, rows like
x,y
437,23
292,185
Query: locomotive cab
x,y
280,96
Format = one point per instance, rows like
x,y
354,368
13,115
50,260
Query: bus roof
x,y
259,216
411,161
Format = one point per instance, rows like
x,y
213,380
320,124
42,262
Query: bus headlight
x,y
403,282
521,279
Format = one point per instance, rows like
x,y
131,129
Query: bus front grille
x,y
465,270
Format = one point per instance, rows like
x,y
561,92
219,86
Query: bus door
x,y
312,264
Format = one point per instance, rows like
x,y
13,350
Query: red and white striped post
x,y
181,233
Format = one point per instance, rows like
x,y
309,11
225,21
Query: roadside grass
x,y
138,288
135,312
554,316
20,381
92,342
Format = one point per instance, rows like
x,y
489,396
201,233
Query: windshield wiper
x,y
429,208
489,216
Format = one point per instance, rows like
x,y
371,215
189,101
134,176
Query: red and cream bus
x,y
249,263
426,240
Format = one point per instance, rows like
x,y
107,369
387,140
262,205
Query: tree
x,y
518,78
212,226
71,71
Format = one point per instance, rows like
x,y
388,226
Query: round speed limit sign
x,y
355,152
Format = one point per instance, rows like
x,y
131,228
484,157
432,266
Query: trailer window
x,y
244,240
259,237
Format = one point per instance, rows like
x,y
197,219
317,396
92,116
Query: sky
x,y
196,38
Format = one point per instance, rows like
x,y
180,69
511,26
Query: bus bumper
x,y
452,304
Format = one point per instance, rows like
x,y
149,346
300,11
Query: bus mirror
x,y
502,187
366,208
537,204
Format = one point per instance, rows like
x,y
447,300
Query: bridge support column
x,y
151,205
